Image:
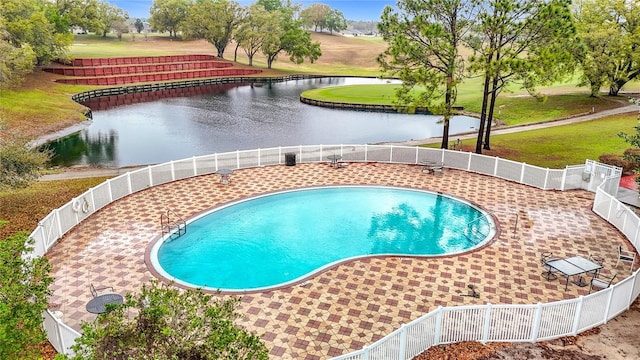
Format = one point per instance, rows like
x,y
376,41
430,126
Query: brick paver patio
x,y
360,301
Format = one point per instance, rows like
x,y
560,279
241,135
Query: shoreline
x,y
59,134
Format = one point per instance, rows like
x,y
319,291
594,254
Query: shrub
x,y
164,322
617,160
633,156
24,294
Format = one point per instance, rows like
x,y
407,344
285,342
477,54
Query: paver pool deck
x,y
357,302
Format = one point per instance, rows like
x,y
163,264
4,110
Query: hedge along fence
x,y
445,325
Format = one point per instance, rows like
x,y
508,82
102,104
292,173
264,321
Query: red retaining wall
x,y
158,77
139,60
136,69
145,69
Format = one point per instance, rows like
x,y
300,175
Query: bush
x,y
164,322
617,160
24,294
633,156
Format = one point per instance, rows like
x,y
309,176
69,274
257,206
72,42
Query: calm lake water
x,y
150,128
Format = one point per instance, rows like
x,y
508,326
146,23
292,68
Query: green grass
x,y
510,110
559,146
91,45
356,94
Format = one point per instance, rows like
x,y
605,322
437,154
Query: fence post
x,y
173,171
437,334
487,323
563,182
259,157
535,330
495,167
391,154
366,152
237,159
403,342
417,154
93,199
578,313
631,299
195,166
606,312
546,180
365,352
523,166
57,212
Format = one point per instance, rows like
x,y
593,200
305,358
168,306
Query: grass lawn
x,y
510,109
559,146
23,208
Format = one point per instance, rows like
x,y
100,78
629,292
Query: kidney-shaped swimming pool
x,y
281,238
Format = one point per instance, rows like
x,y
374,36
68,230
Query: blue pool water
x,y
281,238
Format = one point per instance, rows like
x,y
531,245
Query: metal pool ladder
x,y
172,224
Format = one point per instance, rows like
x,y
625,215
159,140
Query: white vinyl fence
x,y
515,323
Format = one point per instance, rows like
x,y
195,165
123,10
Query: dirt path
x,y
616,340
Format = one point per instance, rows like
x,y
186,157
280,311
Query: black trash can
x,y
290,159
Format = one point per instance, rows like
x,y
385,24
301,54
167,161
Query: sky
x,y
352,9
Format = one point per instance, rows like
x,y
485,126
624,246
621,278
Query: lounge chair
x,y
626,256
94,290
548,272
599,283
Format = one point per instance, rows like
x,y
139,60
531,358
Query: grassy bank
x,y
23,208
512,109
560,146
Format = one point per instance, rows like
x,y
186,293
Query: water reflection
x,y
176,124
84,148
108,102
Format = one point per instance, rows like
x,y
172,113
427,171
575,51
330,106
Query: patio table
x,y
576,265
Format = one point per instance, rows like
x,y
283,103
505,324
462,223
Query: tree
x,y
15,63
24,295
169,323
294,40
270,5
139,25
166,15
609,49
523,40
108,16
259,28
633,140
80,13
213,21
19,165
120,27
424,40
335,21
315,16
25,22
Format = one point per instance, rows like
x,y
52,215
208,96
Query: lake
x,y
156,127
